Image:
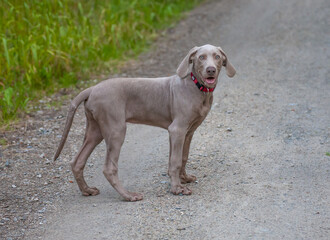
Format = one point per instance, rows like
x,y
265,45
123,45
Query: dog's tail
x,y
72,110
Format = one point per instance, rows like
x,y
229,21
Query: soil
x,y
261,155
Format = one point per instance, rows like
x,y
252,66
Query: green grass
x,y
45,45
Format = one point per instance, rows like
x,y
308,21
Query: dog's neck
x,y
199,85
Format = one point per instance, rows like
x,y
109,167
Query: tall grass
x,y
49,44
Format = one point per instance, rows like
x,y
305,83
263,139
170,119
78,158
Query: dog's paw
x,y
133,197
178,190
92,191
187,178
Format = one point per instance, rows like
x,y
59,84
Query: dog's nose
x,y
210,71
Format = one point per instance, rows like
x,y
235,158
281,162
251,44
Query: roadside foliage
x,y
45,45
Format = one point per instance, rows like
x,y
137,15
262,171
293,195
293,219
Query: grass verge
x,y
45,45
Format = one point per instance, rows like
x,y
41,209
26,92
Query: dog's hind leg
x,y
92,138
114,139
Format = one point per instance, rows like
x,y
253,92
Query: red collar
x,y
200,86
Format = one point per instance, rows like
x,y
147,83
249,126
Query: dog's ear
x,y
230,70
183,69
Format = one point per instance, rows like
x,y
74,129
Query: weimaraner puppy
x,y
177,103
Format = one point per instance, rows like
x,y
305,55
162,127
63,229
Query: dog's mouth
x,y
209,80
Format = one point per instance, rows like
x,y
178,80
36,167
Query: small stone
x,y
42,210
181,229
34,199
7,163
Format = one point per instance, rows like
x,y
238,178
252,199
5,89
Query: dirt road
x,y
260,156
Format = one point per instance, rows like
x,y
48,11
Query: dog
x,y
178,103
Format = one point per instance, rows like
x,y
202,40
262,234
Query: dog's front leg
x,y
177,139
184,177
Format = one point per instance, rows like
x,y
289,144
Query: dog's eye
x,y
217,57
201,57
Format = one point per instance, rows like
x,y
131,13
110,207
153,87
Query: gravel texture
x,y
260,156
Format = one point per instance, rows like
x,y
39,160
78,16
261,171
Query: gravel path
x,y
260,156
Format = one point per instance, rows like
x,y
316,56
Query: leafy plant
x,y
50,44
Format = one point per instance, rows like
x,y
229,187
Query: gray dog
x,y
178,103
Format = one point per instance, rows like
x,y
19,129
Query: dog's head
x,y
205,63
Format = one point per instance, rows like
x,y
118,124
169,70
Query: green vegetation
x,y
45,45
3,142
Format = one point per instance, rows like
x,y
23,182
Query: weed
x,y
3,142
45,45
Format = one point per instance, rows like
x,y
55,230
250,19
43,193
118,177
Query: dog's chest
x,y
205,106
205,110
